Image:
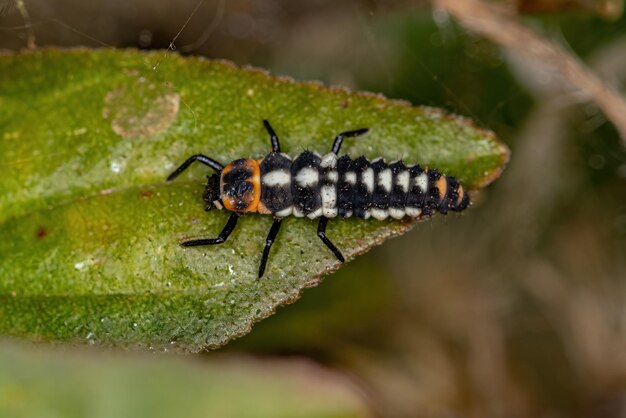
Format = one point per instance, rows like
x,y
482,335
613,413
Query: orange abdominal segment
x,y
442,185
461,195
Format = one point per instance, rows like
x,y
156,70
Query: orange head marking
x,y
240,186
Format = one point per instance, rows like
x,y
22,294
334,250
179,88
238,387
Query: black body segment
x,y
382,184
364,188
451,195
276,183
305,187
416,195
346,186
432,200
400,187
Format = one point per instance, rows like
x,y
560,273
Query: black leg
x,y
200,158
230,225
268,244
349,134
273,137
321,232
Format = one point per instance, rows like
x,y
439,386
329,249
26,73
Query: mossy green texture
x,y
90,229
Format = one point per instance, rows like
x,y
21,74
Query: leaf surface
x,y
91,230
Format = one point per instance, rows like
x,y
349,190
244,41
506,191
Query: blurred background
x,y
517,308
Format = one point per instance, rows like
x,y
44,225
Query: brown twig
x,y
502,27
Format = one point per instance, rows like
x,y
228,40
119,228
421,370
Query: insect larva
x,y
322,187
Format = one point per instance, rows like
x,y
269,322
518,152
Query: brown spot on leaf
x,y
146,193
140,108
41,232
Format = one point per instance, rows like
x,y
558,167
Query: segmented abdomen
x,y
315,186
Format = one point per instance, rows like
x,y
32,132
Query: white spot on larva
x,y
329,196
422,182
368,179
329,160
413,212
377,159
329,200
348,214
307,177
367,215
396,213
330,212
402,180
332,176
297,212
276,178
350,177
380,214
285,212
315,214
385,179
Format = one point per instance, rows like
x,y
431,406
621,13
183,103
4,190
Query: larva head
x,y
212,192
240,186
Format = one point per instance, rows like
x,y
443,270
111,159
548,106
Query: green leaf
x,y
91,230
63,383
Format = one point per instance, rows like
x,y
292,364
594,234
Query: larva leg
x,y
321,232
273,136
201,159
230,226
348,134
268,244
